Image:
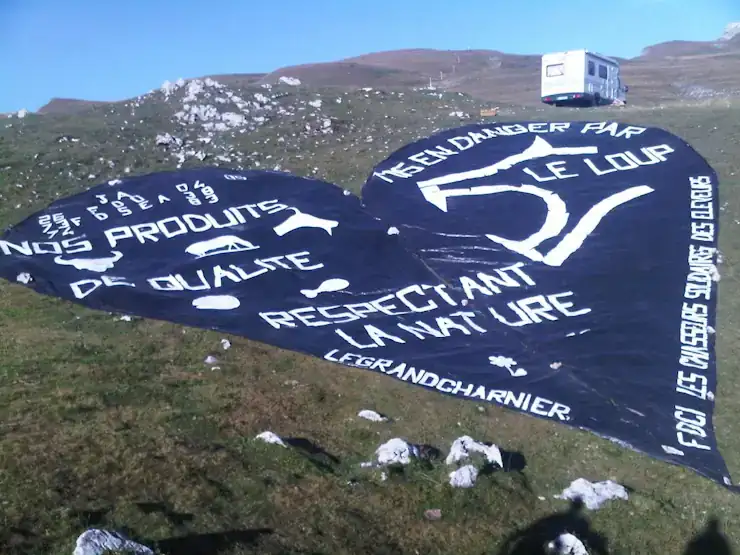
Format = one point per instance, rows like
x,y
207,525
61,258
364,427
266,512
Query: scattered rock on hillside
x,y
394,451
593,495
270,437
293,81
566,544
464,477
464,446
731,31
433,514
372,415
99,542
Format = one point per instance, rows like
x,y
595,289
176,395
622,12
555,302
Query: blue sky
x,y
116,49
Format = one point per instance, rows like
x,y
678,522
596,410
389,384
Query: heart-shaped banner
x,y
560,270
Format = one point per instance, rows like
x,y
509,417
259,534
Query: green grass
x,y
121,425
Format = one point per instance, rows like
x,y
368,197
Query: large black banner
x,y
566,271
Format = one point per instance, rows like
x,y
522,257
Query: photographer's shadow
x,y
710,541
533,539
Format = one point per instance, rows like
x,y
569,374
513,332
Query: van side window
x,y
602,72
591,67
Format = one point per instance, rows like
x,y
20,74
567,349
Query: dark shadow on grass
x,y
318,456
91,518
711,541
428,456
176,519
533,539
210,544
515,463
16,539
429,452
222,490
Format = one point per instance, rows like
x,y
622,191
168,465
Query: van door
x,y
621,90
603,75
590,77
613,82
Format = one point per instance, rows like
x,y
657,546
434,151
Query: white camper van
x,y
581,78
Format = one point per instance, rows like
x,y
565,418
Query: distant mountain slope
x,y
68,105
667,71
678,48
349,74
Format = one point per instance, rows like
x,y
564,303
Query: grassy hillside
x,y
120,424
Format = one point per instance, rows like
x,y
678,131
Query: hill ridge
x,y
665,71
